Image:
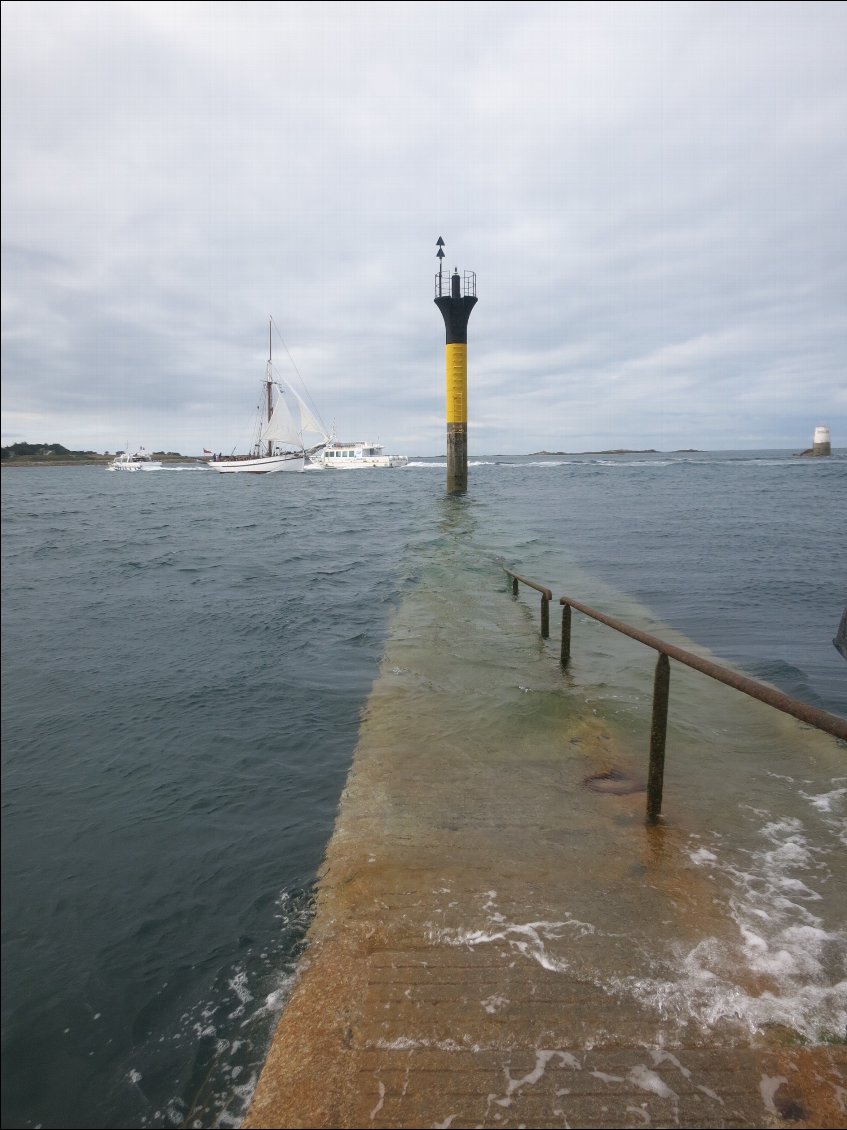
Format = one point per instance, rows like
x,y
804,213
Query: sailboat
x,y
280,440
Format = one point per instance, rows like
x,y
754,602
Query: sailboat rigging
x,y
280,442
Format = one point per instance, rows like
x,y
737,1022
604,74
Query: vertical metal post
x,y
545,617
565,656
658,733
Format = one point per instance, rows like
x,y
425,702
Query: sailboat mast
x,y
270,378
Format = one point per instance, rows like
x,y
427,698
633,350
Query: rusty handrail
x,y
831,723
546,597
821,719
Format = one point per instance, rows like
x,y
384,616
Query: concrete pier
x,y
451,977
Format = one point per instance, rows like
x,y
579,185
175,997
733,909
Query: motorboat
x,y
140,460
356,456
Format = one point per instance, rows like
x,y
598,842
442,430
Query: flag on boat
x,y
206,451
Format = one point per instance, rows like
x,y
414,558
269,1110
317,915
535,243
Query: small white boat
x,y
356,456
279,444
140,460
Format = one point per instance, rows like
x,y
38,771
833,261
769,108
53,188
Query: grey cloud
x,y
651,196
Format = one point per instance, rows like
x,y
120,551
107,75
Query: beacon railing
x,y
465,285
820,719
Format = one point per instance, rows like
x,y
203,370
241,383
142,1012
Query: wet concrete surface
x,y
482,909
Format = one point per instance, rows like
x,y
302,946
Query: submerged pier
x,y
483,913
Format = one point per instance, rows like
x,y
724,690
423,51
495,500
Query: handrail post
x,y
546,597
565,656
658,733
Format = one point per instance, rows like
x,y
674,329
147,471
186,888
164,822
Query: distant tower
x,y
822,444
455,297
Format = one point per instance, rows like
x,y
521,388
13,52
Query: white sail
x,y
284,425
278,444
309,421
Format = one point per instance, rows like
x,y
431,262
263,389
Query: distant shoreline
x,y
84,459
95,461
105,460
626,451
174,459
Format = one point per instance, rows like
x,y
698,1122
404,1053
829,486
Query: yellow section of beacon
x,y
456,358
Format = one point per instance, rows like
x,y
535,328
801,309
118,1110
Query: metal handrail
x,y
546,597
812,715
831,723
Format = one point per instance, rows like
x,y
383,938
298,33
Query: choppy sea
x,y
186,657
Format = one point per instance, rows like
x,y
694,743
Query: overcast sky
x,y
653,198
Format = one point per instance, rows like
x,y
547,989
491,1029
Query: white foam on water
x,y
641,1113
604,1077
648,1080
494,1004
786,964
544,463
407,1044
628,463
529,939
276,1000
417,463
830,807
768,1087
238,984
826,801
660,1056
380,1102
542,1058
251,996
642,1076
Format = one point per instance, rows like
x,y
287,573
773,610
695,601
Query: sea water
x,y
186,657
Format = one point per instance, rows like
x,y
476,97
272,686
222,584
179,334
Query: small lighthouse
x,y
822,444
455,297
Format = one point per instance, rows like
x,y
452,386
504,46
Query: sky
x,y
653,197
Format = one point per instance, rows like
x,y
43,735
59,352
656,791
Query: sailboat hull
x,y
264,465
